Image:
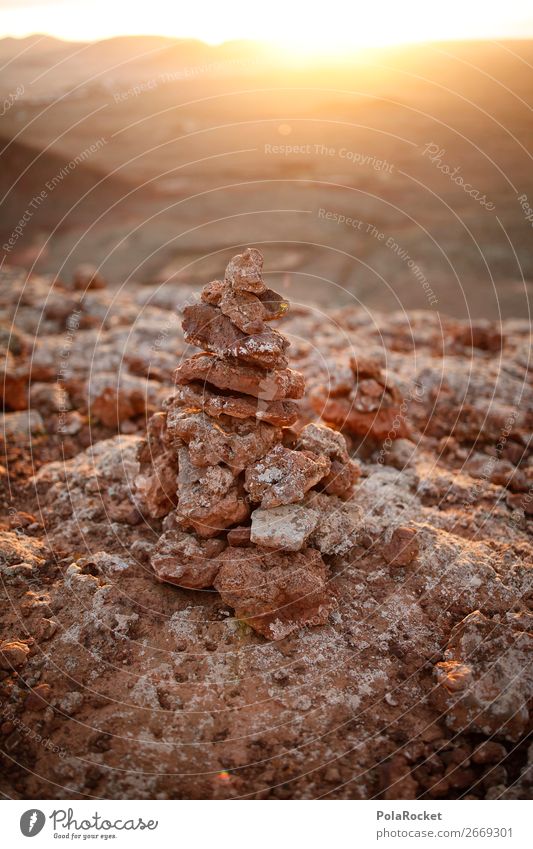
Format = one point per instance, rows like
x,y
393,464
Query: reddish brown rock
x,y
486,681
275,593
14,380
20,519
283,476
239,537
87,276
156,483
208,328
402,548
276,305
397,780
273,385
186,560
245,271
265,349
197,396
209,499
212,292
235,442
38,699
245,310
485,335
114,398
489,752
372,407
13,654
325,442
248,311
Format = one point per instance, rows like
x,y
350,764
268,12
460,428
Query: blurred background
x,y
375,155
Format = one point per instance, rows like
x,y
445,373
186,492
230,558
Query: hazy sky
x,y
327,25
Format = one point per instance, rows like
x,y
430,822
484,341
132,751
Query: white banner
x,y
263,824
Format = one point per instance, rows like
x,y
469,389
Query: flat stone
x,y
245,310
283,476
269,385
235,442
286,527
248,311
197,396
208,328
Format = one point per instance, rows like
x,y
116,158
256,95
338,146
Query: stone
x,y
286,527
402,548
269,385
87,276
212,292
283,476
97,484
245,310
21,519
186,560
485,681
71,702
239,536
245,271
197,396
13,654
275,592
248,311
209,499
235,442
156,484
114,398
49,398
21,426
276,305
208,328
265,349
323,441
339,524
489,752
371,408
38,699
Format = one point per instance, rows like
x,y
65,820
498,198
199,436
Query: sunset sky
x,y
332,26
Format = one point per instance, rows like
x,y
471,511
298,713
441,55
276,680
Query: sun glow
x,y
329,28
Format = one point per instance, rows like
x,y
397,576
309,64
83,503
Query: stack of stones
x,y
252,504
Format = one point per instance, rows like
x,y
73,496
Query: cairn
x,y
251,504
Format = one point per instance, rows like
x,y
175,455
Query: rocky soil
x,y
114,685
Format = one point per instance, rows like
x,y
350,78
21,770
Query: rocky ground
x,y
116,686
